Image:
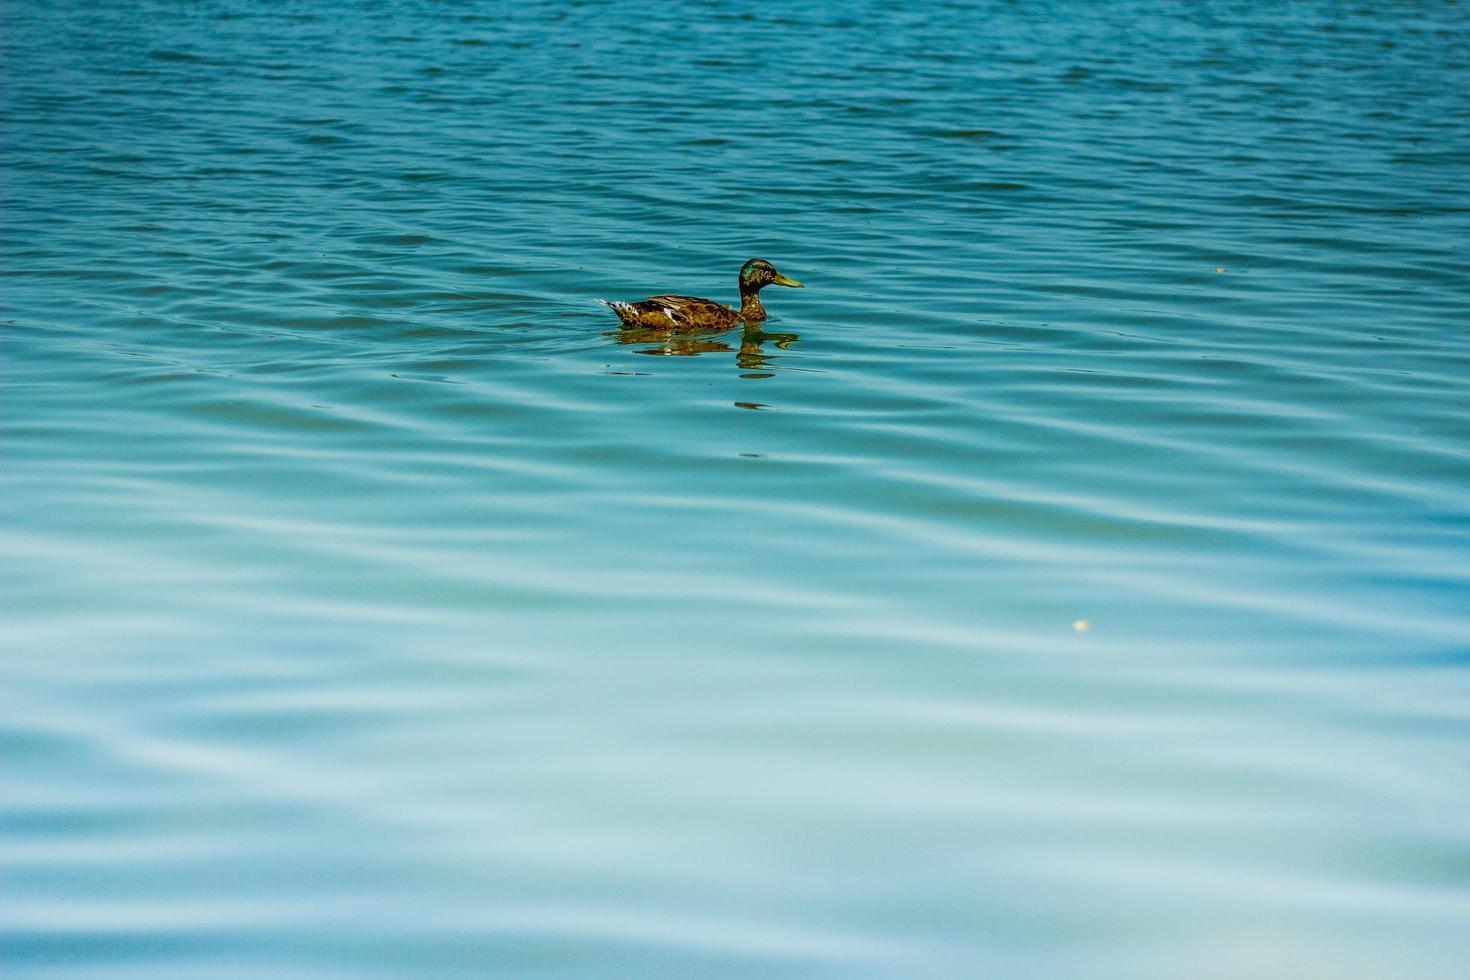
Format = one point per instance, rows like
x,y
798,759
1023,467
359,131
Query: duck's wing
x,y
692,312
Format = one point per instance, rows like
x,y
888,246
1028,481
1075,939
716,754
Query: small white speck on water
x,y
1081,625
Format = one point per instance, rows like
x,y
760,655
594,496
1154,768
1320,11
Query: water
x,y
374,610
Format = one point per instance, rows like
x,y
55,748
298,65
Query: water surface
x,y
374,609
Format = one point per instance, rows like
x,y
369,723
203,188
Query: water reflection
x,y
751,356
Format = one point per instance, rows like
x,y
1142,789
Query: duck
x,y
690,313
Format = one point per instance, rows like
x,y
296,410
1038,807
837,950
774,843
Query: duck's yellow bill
x,y
783,281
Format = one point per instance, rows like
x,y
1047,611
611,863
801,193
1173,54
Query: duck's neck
x,y
751,309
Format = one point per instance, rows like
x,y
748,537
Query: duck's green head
x,y
758,273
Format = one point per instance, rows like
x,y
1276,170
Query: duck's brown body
x,y
690,313
675,313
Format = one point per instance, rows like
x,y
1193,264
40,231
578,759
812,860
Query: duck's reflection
x,y
751,356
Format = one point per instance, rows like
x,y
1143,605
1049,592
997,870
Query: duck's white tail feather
x,y
623,310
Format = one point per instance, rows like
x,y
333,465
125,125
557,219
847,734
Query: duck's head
x,y
756,274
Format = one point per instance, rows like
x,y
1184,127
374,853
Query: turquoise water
x,y
1072,580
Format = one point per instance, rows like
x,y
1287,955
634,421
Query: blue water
x,y
1073,580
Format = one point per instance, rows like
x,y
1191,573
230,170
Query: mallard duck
x,y
687,313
